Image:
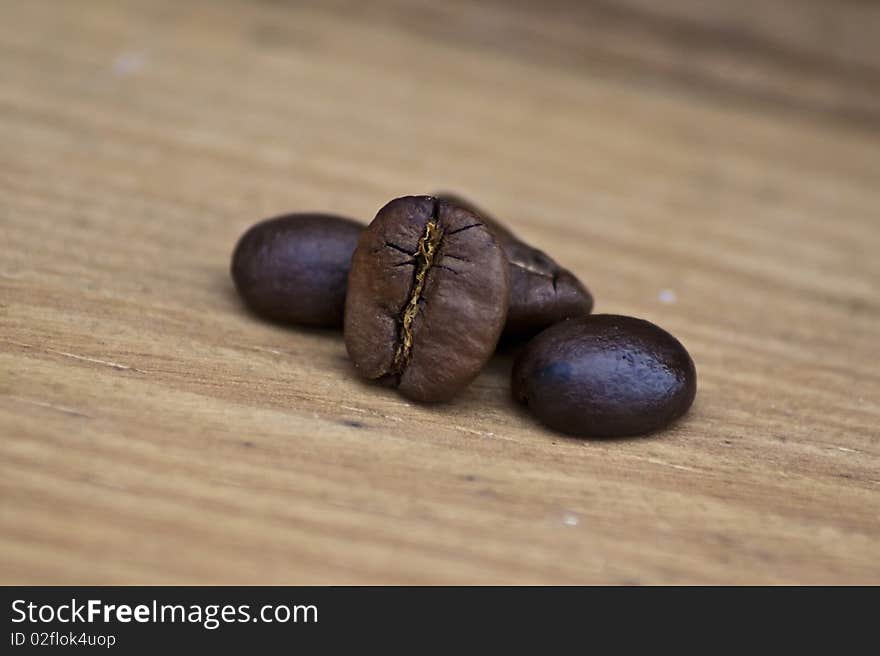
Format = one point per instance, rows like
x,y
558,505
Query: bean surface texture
x,y
605,376
427,298
294,268
541,291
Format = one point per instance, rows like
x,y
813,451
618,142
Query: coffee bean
x,y
605,376
427,298
541,292
294,268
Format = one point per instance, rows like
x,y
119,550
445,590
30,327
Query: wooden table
x,y
715,170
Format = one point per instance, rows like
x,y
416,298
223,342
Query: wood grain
x,y
152,431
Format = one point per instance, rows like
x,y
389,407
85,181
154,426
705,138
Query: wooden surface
x,y
715,171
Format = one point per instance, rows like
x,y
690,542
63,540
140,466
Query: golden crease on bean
x,y
424,259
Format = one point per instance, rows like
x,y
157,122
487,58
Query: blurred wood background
x,y
713,167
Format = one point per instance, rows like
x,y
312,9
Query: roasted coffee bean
x,y
294,268
427,298
605,376
541,292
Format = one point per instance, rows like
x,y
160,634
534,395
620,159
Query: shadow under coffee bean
x,y
427,298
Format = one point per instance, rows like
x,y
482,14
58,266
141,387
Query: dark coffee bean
x,y
294,268
541,292
605,376
427,298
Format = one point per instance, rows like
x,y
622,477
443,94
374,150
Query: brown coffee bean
x,y
541,292
427,298
294,268
605,376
